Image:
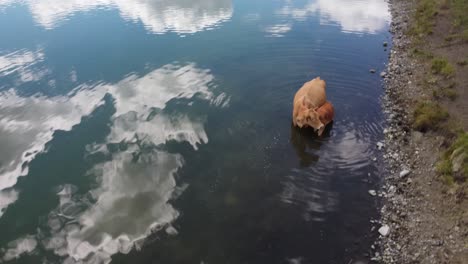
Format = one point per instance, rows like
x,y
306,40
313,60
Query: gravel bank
x,y
422,221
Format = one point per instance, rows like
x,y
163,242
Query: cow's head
x,y
313,120
308,116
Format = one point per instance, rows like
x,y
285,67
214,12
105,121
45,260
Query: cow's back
x,y
313,91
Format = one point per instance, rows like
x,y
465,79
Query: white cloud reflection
x,y
158,16
357,16
27,124
278,30
5,3
20,246
136,184
23,63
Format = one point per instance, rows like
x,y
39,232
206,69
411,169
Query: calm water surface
x,y
157,131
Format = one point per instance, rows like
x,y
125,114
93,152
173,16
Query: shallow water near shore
x,y
160,131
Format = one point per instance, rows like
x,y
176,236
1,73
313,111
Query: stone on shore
x,y
384,230
404,173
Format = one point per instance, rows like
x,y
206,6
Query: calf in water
x,y
311,108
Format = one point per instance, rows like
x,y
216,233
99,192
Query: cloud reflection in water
x,y
358,16
23,64
135,185
158,16
28,123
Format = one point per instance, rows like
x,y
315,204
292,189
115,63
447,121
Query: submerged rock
x,y
380,145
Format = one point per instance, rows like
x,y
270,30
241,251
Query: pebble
x,y
372,70
380,145
384,230
383,74
385,44
372,192
404,173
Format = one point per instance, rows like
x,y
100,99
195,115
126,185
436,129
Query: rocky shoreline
x,y
419,221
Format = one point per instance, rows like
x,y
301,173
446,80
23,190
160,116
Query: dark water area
x,y
155,131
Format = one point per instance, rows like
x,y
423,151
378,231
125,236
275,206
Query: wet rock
x,y
372,70
384,230
372,192
383,74
385,44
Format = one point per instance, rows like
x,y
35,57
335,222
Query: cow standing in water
x,y
311,108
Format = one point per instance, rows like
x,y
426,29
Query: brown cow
x,y
307,99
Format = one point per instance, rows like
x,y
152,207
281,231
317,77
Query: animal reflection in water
x,y
305,143
311,108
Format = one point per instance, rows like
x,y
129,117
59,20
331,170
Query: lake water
x,y
157,131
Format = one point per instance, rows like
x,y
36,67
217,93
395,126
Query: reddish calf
x,y
326,114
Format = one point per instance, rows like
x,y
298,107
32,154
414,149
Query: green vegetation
x,y
450,37
454,163
460,11
424,20
444,168
422,53
427,10
429,116
462,62
442,66
445,92
464,35
450,93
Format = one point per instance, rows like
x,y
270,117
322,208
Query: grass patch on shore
x,y
464,35
460,11
462,63
450,93
429,116
426,10
422,53
442,66
454,163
